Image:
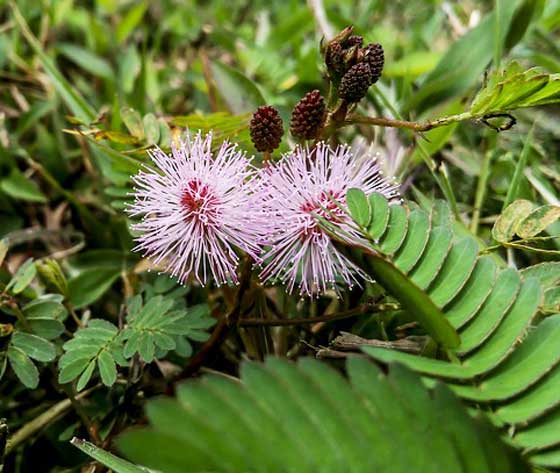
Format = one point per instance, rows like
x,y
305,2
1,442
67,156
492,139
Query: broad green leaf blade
x,y
467,303
23,367
534,402
512,329
396,230
415,241
359,426
507,222
541,434
537,221
433,258
23,277
358,206
492,312
414,300
380,215
107,368
547,273
33,346
534,358
118,465
455,272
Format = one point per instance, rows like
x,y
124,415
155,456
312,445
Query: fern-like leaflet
x,y
507,360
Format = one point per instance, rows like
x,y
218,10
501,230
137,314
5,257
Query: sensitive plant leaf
x,y
538,220
23,277
507,360
358,206
317,421
155,327
507,223
23,367
34,346
412,298
547,273
97,345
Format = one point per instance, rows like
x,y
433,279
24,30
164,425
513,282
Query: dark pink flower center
x,y
199,201
326,206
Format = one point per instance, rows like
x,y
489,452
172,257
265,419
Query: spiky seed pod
x,y
354,40
266,129
355,83
334,57
308,116
375,57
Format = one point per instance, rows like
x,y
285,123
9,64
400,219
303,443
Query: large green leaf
x,y
506,361
285,417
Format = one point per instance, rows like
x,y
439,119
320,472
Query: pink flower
x,y
197,210
301,186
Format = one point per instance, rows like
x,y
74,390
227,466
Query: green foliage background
x,y
87,87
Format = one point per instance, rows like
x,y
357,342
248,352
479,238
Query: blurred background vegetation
x,y
87,86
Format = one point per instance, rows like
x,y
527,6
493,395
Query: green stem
x,y
406,124
41,421
360,310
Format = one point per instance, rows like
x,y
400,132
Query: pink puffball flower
x,y
301,186
197,210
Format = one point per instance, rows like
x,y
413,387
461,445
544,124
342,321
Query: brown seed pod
x,y
355,83
375,57
266,129
308,116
